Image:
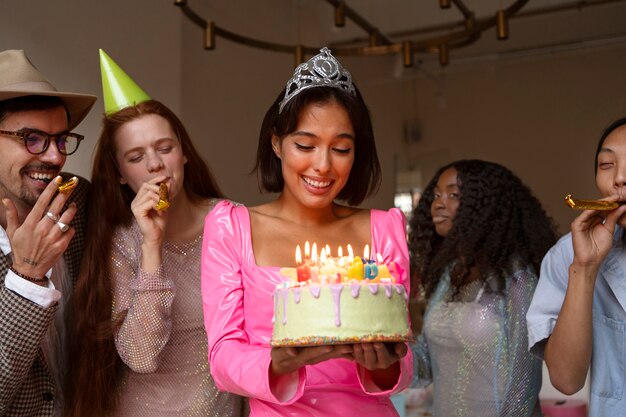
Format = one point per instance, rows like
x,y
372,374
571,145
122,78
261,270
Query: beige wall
x,y
538,113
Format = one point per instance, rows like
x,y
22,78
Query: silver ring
x,y
52,217
64,228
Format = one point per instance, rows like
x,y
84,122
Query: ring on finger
x,y
63,227
52,216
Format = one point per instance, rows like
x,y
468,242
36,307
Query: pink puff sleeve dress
x,y
238,310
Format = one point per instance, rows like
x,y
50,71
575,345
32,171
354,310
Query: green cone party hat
x,y
118,88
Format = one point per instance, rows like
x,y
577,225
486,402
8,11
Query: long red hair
x,y
94,368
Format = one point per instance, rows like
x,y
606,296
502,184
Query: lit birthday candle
x,y
370,268
325,271
314,265
355,270
383,271
342,272
302,270
307,250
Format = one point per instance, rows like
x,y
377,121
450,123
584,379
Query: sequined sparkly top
x,y
162,339
474,349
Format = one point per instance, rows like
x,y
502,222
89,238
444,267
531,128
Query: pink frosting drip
x,y
356,288
388,290
401,291
315,291
335,290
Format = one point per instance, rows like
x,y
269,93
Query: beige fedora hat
x,y
19,78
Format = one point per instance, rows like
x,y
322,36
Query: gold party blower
x,y
69,185
164,202
590,204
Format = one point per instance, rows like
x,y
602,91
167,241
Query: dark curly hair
x,y
498,222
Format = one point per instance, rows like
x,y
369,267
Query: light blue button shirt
x,y
608,362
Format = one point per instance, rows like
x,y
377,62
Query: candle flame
x,y
340,252
327,250
298,255
379,258
307,249
323,256
314,253
350,252
366,252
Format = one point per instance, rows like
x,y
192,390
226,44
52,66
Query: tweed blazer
x,y
26,386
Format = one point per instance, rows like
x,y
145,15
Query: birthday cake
x,y
340,300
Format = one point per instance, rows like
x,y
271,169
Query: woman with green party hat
x,y
138,343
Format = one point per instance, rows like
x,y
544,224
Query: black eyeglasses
x,y
36,141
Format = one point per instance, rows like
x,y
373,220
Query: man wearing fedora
x,y
41,234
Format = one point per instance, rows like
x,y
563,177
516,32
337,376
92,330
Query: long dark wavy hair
x,y
95,369
498,221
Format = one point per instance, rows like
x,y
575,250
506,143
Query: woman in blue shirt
x,y
577,317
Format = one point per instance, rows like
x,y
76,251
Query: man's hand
x,y
38,242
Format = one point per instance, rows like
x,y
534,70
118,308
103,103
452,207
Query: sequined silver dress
x,y
162,339
475,350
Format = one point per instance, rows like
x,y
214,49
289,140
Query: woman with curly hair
x,y
476,241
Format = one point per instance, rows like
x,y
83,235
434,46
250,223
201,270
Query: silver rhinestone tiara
x,y
323,70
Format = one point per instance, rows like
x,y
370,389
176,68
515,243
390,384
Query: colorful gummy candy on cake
x,y
338,300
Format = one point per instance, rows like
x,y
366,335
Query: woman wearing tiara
x,y
316,146
139,347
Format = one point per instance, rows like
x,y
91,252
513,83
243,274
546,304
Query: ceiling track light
x,y
444,55
377,43
340,14
502,27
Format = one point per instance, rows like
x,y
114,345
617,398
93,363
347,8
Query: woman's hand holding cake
x,y
289,359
